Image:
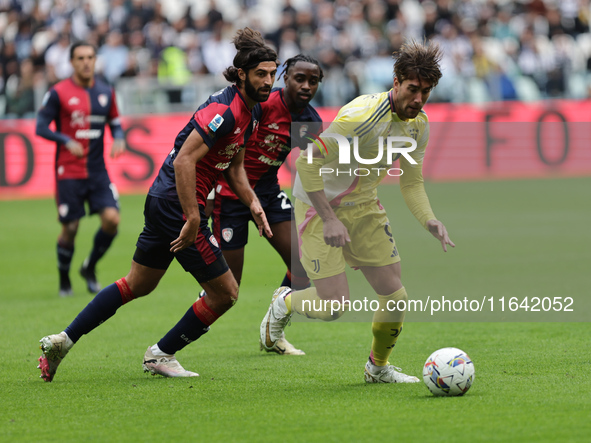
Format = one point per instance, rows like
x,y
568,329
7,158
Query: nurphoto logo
x,y
394,147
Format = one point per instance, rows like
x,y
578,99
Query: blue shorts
x,y
163,221
71,194
230,217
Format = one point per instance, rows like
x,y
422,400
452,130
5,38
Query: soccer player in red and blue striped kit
x,y
81,106
210,144
266,151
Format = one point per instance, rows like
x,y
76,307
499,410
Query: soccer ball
x,y
448,372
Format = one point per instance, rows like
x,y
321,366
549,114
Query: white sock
x,y
69,343
375,369
157,352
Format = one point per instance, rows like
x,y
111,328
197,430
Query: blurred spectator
x,y
113,57
490,42
218,51
57,60
173,72
117,15
82,21
20,92
214,17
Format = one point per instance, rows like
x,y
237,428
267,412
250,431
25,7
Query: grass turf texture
x,y
513,238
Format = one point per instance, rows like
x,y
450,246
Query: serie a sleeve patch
x,y
215,122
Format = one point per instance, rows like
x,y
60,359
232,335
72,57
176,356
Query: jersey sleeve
x,y
49,112
213,122
412,184
113,118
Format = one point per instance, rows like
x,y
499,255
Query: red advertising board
x,y
468,142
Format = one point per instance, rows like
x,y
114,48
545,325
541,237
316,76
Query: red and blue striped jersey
x,y
81,114
270,144
225,123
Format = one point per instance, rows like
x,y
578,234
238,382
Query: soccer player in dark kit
x,y
81,106
211,143
266,151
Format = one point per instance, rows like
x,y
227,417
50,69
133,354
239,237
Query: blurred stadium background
x,y
505,62
168,56
509,67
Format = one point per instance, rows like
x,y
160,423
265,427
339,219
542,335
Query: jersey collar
x,y
391,100
242,98
80,86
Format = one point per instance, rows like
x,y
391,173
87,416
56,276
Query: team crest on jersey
x,y
255,124
227,234
414,133
74,101
216,122
103,100
213,241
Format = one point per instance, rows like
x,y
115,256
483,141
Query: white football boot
x,y
390,374
275,320
167,365
283,347
54,348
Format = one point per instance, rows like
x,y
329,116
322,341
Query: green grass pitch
x,y
514,238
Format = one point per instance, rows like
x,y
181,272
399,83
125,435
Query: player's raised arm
x,y
193,150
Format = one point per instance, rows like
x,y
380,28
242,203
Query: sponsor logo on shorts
x,y
63,209
227,234
316,263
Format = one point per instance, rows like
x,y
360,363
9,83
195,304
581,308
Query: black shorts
x,y
71,194
230,217
163,221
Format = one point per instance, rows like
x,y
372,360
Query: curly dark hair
x,y
418,60
252,50
303,58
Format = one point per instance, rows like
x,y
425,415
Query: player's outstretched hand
x,y
187,236
440,233
260,218
335,233
75,148
118,147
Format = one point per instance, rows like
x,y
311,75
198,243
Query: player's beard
x,y
405,112
255,94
